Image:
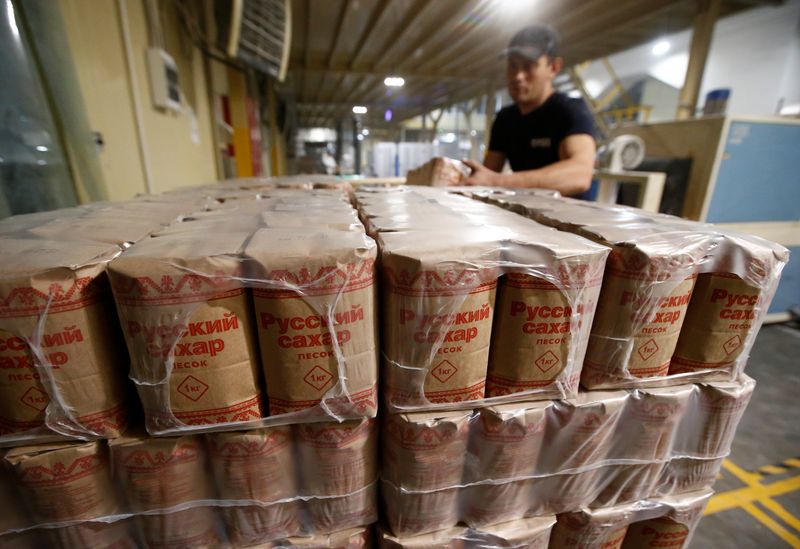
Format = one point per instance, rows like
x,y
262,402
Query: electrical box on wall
x,y
164,84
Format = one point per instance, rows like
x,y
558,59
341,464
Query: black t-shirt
x,y
531,140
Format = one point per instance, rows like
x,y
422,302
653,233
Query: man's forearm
x,y
566,176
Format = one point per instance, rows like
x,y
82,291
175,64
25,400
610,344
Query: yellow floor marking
x,y
757,492
779,511
742,496
751,479
772,470
776,528
792,462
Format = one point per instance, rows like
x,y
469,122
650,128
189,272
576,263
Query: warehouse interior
x,y
318,171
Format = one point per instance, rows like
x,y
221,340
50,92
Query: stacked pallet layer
x,y
192,369
483,316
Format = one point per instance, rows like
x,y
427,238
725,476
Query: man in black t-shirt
x,y
546,136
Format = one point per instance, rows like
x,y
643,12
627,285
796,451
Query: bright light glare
x,y
661,47
12,20
41,148
360,137
359,109
394,81
448,138
365,131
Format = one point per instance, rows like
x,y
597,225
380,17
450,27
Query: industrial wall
x,y
177,148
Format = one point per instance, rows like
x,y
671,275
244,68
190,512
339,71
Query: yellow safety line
x,y
772,470
792,462
742,496
757,492
751,479
776,528
779,511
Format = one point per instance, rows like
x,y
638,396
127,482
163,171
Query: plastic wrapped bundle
x,y
670,520
530,533
189,328
601,449
60,354
471,340
680,299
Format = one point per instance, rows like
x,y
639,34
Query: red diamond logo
x,y
444,371
192,388
732,344
318,377
546,361
648,349
35,398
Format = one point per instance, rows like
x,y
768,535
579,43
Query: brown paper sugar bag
x,y
425,450
451,538
657,532
413,513
350,538
598,529
720,317
315,306
581,432
333,513
674,527
57,319
437,315
729,304
60,482
159,473
485,504
195,527
719,406
544,314
25,540
96,535
688,474
627,483
189,328
565,492
252,524
505,441
529,533
336,459
635,329
255,465
651,420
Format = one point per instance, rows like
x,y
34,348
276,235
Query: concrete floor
x,y
764,510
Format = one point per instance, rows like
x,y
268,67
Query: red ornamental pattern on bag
x,y
174,289
363,402
325,280
426,437
26,301
336,436
62,473
467,280
509,431
272,442
140,460
657,412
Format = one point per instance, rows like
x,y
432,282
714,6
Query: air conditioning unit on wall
x,y
257,32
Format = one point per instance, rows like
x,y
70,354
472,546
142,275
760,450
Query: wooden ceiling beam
x,y
307,57
337,33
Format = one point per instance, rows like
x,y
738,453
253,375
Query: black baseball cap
x,y
532,42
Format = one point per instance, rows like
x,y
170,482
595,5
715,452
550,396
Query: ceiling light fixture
x,y
394,81
359,109
661,47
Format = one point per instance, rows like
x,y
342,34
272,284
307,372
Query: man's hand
x,y
481,175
